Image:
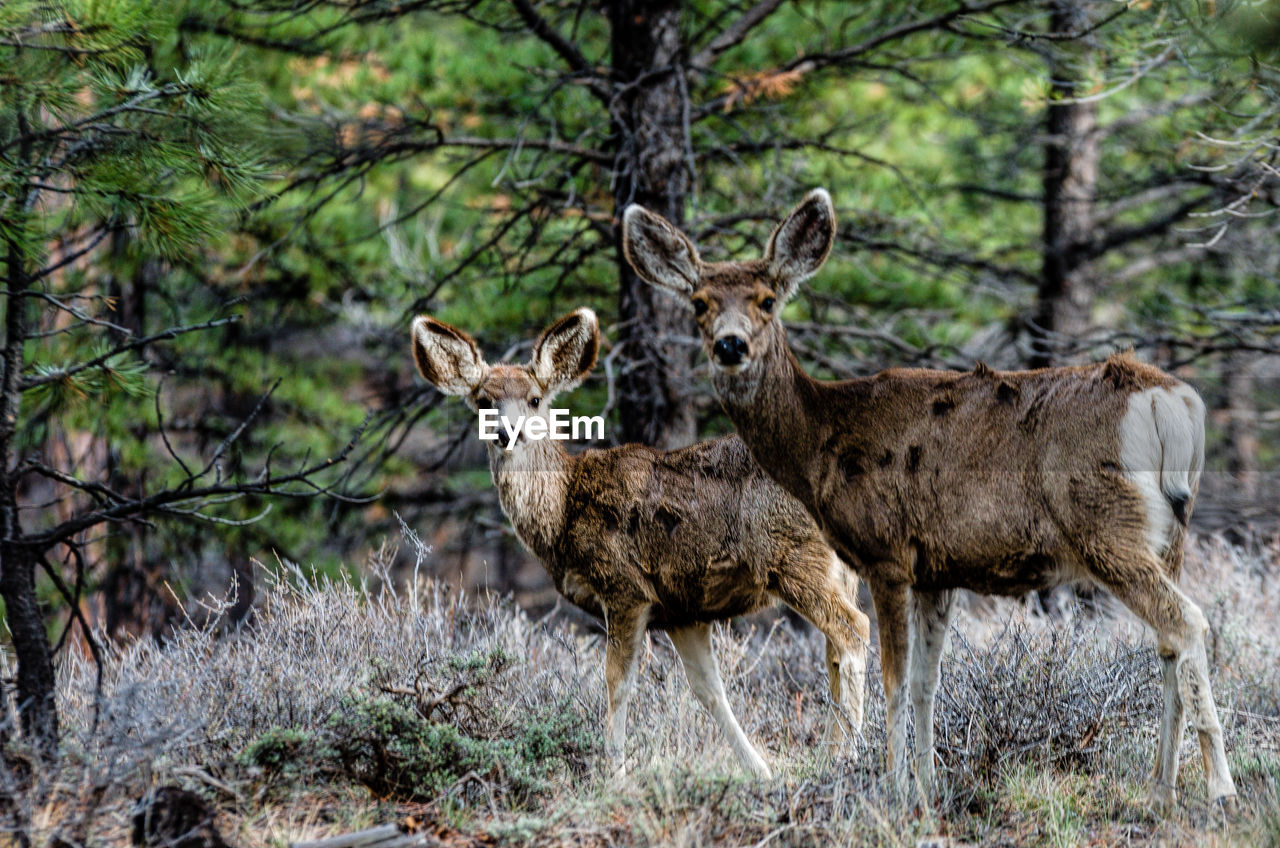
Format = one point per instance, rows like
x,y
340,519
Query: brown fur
x,y
929,481
669,540
939,483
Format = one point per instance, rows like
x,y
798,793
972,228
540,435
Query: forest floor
x,y
341,707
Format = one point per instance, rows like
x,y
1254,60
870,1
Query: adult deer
x,y
930,481
649,539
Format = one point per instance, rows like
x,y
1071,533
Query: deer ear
x,y
566,351
802,242
659,252
446,356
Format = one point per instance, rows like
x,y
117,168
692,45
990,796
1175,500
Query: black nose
x,y
729,350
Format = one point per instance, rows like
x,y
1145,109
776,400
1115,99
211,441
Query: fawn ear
x,y
446,356
659,253
801,243
566,351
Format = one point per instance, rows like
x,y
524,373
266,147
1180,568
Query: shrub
x,y
386,745
283,751
414,744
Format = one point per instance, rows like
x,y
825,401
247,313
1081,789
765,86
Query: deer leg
x,y
1181,626
847,676
1164,778
621,659
847,638
931,618
694,646
832,607
893,620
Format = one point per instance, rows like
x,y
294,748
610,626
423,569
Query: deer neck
x,y
533,486
772,406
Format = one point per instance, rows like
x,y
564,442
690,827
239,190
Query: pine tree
x,y
117,145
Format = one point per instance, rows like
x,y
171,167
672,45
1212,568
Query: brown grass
x,y
1046,730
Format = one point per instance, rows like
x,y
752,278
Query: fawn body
x,y
929,481
650,539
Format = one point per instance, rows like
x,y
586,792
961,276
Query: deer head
x,y
735,303
563,356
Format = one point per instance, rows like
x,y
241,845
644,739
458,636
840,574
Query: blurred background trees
x,y
221,216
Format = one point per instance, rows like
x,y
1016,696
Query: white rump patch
x,y
1162,452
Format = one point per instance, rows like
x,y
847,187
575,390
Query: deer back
x,y
698,533
991,480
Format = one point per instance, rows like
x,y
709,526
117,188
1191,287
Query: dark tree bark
x,y
30,644
1070,179
35,680
651,137
1242,417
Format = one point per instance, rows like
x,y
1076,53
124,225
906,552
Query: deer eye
x,y
767,304
534,401
699,307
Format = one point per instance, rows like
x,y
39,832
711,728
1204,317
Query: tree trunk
x,y
18,562
1242,418
30,642
650,132
1070,181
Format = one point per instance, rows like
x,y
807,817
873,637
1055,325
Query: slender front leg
x,y
826,593
931,619
893,619
621,658
694,646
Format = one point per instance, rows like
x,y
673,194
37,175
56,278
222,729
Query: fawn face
x,y
511,392
735,303
563,356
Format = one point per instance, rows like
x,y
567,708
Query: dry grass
x,y
1046,731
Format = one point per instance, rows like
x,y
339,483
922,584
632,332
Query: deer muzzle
x,y
729,351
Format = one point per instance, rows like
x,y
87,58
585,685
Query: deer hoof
x,y
1162,796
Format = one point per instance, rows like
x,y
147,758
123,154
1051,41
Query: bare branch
x,y
854,54
734,33
73,603
235,434
97,361
1010,34
264,484
590,154
72,256
1162,224
567,50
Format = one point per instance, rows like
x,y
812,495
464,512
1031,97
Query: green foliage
x,y
390,748
134,156
409,751
282,751
118,372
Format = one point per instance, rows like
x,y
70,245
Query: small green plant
x,y
283,750
452,733
388,746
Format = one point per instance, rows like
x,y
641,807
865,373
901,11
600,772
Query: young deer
x,y
929,481
647,539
